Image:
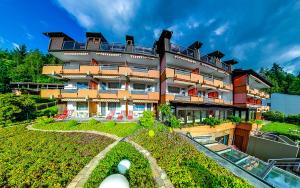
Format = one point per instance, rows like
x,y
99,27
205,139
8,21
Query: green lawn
x,y
117,128
139,174
283,128
184,165
44,159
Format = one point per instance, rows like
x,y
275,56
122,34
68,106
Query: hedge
x,y
185,166
139,174
280,117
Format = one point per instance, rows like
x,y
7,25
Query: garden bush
x,y
147,120
168,117
174,122
15,108
72,123
51,111
234,119
139,174
184,165
211,121
293,119
93,122
44,159
44,120
274,116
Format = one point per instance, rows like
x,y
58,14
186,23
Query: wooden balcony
x,y
89,69
184,76
143,74
145,96
218,83
87,93
52,69
50,93
196,99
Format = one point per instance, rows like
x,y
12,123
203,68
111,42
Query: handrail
x,y
182,50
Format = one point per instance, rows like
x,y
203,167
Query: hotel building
x,y
120,81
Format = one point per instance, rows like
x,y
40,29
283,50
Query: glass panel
x,y
112,106
139,86
181,116
114,85
82,85
82,106
189,116
254,166
149,106
197,116
233,155
139,107
281,178
103,108
243,115
173,89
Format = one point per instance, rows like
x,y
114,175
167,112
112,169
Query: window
x,y
103,108
174,89
114,85
139,86
113,106
138,107
82,85
82,106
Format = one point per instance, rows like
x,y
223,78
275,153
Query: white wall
x,y
288,104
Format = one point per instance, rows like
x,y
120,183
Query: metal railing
x,y
111,91
184,72
109,67
182,50
139,92
71,66
220,64
113,47
182,97
293,163
143,50
72,45
139,69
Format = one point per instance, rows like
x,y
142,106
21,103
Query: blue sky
x,y
256,33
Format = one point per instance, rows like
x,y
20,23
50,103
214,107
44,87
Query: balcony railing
x,y
182,50
72,45
112,47
220,64
139,92
143,50
182,98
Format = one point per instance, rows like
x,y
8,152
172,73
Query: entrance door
x,y
93,109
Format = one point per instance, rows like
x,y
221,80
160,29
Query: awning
x,y
83,100
144,101
106,100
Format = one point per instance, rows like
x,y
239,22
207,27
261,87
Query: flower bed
x,y
40,159
139,174
120,129
184,165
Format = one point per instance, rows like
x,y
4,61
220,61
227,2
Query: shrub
x,y
234,119
51,111
72,123
147,120
293,119
139,174
44,120
211,121
165,111
274,116
93,122
15,108
174,122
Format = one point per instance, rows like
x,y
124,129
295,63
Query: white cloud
x,y
221,29
241,51
192,24
209,22
177,32
156,33
15,45
289,54
29,36
115,15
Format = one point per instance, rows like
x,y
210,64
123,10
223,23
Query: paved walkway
x,y
80,179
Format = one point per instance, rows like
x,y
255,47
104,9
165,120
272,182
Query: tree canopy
x,y
21,65
283,82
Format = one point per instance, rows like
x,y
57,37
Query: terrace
x,y
108,47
